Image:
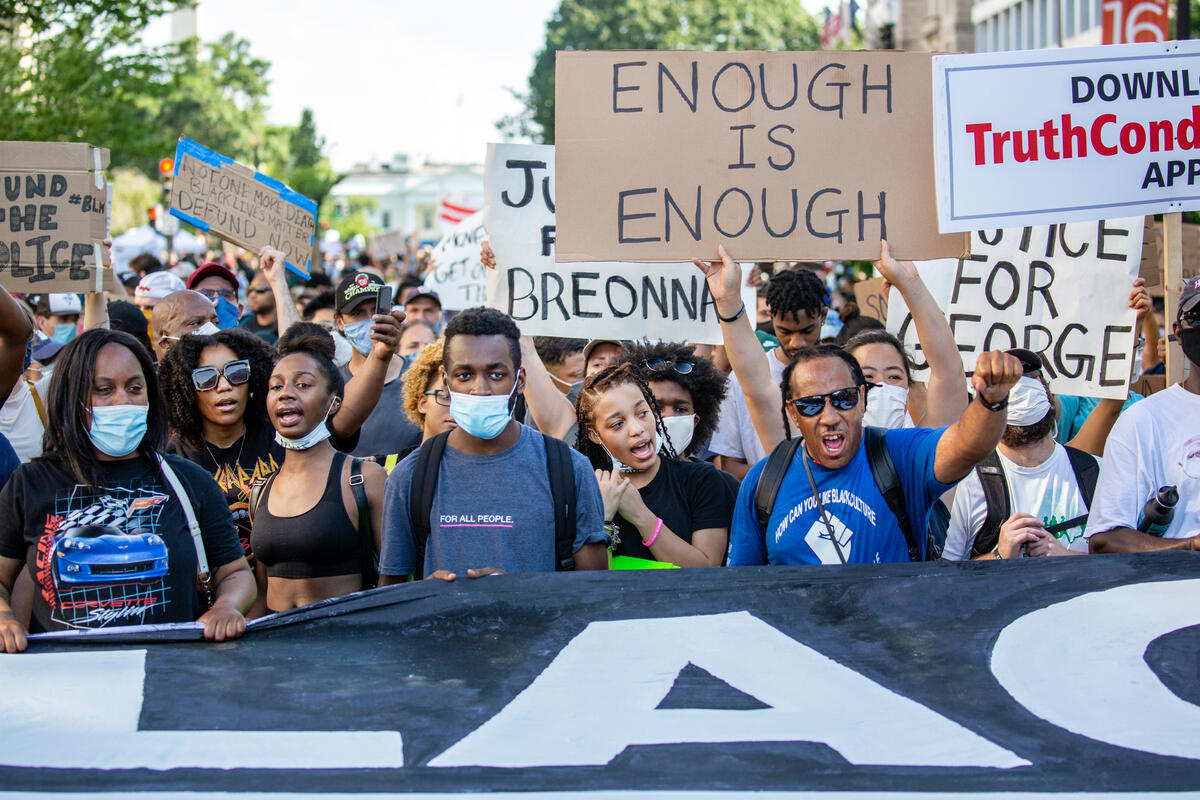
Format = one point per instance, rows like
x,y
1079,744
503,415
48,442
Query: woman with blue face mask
x,y
316,520
112,531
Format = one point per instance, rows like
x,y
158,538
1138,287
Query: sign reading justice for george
x,y
241,205
1059,290
663,155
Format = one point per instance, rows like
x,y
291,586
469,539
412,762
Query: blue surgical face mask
x,y
65,332
227,314
311,439
358,334
483,416
118,430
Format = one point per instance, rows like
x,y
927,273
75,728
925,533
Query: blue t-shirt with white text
x,y
866,528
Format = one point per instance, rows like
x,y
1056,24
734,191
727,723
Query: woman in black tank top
x,y
306,536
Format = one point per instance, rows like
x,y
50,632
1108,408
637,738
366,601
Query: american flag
x,y
455,211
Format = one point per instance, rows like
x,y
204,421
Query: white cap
x,y
158,285
63,303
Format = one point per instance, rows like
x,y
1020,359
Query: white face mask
x,y
1027,402
680,429
314,437
887,406
621,466
207,329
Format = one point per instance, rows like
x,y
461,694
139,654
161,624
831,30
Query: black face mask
x,y
767,327
1189,342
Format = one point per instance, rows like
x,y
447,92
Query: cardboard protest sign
x,y
779,156
388,244
584,300
1061,290
241,205
459,276
54,217
1050,136
871,300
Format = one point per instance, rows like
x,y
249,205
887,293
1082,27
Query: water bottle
x,y
1159,511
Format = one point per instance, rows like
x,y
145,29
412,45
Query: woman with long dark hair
x,y
216,392
113,531
656,506
307,550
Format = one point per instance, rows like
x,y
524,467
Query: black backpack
x,y
562,490
887,480
999,502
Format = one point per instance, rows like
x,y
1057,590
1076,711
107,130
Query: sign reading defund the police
x,y
1059,290
1050,136
618,300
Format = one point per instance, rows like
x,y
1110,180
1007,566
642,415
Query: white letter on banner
x,y
80,710
1081,665
599,696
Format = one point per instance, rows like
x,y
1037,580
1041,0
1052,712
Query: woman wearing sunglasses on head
x,y
316,520
656,507
687,388
216,390
114,532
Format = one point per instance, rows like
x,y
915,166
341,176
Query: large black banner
x,y
1069,675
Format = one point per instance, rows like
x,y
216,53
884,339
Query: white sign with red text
x,y
1046,136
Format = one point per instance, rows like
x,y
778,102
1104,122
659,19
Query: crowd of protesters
x,y
219,442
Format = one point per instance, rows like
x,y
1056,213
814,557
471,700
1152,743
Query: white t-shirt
x,y
735,435
1155,443
20,423
1047,491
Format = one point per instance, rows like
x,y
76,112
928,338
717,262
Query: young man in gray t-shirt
x,y
492,511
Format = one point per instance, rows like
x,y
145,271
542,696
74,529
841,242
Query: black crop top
x,y
319,543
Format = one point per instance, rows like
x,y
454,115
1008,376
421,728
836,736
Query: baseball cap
x,y
423,291
1189,298
593,344
210,269
45,348
158,285
354,289
59,303
1031,362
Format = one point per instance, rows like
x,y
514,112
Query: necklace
x,y
237,460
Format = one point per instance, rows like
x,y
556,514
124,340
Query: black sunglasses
x,y
683,367
205,379
813,404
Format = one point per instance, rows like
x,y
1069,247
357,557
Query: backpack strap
x,y
420,497
998,501
562,492
189,514
769,481
370,559
887,480
1086,470
37,402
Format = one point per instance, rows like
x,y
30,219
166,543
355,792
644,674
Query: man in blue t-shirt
x,y
829,509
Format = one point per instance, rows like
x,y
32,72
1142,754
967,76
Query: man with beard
x,y
1153,445
1032,494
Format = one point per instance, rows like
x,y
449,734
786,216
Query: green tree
x,y
655,25
308,170
348,216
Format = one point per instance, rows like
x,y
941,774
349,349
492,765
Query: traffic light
x,y
153,212
166,168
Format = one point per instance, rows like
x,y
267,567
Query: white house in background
x,y
407,193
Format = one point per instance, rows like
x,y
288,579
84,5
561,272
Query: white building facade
x,y
1031,24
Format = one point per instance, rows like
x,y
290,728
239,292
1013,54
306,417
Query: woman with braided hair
x,y
656,506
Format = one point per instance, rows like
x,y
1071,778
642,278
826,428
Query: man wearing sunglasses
x,y
1154,444
829,508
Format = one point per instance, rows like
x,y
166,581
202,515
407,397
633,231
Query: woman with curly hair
x,y
216,390
687,388
309,549
656,507
426,400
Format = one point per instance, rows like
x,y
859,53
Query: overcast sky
x,y
425,77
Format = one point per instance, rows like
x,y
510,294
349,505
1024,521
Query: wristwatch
x,y
1003,404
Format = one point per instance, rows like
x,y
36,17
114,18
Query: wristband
x,y
734,318
657,530
996,553
1003,404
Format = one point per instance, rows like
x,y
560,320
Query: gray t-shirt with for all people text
x,y
488,511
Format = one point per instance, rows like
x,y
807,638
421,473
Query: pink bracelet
x,y
653,536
